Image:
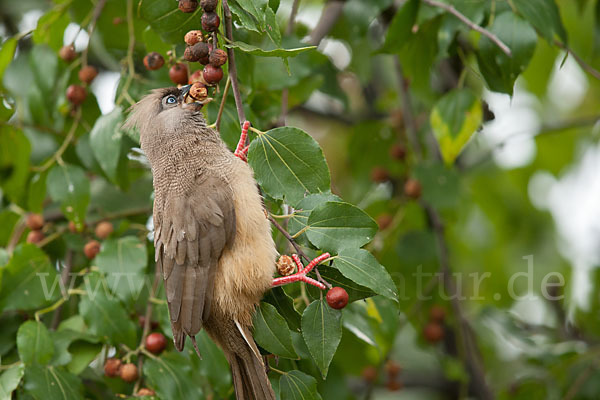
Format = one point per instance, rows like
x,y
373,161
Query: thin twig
x,y
222,105
130,48
408,115
285,94
449,8
96,14
231,62
56,157
331,13
16,235
586,67
64,276
581,380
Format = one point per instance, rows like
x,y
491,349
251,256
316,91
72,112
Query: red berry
x,y
212,74
35,237
384,221
398,152
87,74
153,61
188,6
193,37
392,368
393,385
103,229
437,313
156,342
369,374
34,221
129,372
379,175
433,332
217,57
196,76
179,74
112,367
208,5
67,53
76,94
412,188
91,249
210,21
337,298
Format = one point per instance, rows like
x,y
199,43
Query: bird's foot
x,y
241,150
301,275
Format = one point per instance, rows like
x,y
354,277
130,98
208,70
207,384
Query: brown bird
x,y
211,236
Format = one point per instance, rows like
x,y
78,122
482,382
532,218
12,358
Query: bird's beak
x,y
184,92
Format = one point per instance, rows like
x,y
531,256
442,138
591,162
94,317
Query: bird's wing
x,y
190,235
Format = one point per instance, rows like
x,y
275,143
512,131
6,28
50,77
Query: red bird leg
x,y
301,274
242,150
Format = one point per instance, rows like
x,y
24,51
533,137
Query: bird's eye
x,y
171,100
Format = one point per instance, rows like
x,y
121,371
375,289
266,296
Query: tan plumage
x,y
212,240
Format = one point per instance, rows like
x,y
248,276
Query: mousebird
x,y
212,237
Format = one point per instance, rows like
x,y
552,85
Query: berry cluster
x,y
433,331
76,93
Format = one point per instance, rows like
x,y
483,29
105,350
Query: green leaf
x,y
37,192
544,16
288,163
284,304
34,343
358,323
322,332
454,119
499,70
82,354
170,376
9,381
14,161
51,28
271,26
105,140
52,383
298,385
271,331
400,28
303,209
69,185
123,261
104,314
362,267
245,18
167,20
29,281
7,52
257,51
63,339
250,6
333,226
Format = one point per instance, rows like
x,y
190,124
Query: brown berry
x,y
337,298
217,57
433,332
34,221
179,74
117,20
145,392
91,249
156,343
210,21
129,372
285,265
142,321
204,60
398,152
384,221
196,52
112,367
208,5
76,94
369,374
188,6
87,74
67,53
393,385
379,175
198,91
412,188
35,237
392,368
153,61
212,74
189,55
437,313
103,229
193,37
196,76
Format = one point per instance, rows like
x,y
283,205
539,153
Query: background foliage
x,y
391,114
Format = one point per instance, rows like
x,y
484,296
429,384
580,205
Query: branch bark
x,y
585,66
231,63
331,13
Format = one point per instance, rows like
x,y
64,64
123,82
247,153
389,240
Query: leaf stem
x,y
222,105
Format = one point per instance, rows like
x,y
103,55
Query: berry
x,y
398,152
189,55
337,298
217,57
393,385
433,332
193,37
204,60
437,314
156,343
384,221
103,229
210,21
117,20
369,374
153,61
34,222
142,321
35,237
188,6
91,249
208,5
196,76
179,74
212,74
412,188
145,392
392,368
129,372
87,74
379,175
67,53
285,265
196,52
76,94
198,91
112,367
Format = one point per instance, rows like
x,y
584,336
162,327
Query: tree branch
x,y
585,66
331,13
285,94
96,14
64,277
232,66
449,8
411,126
